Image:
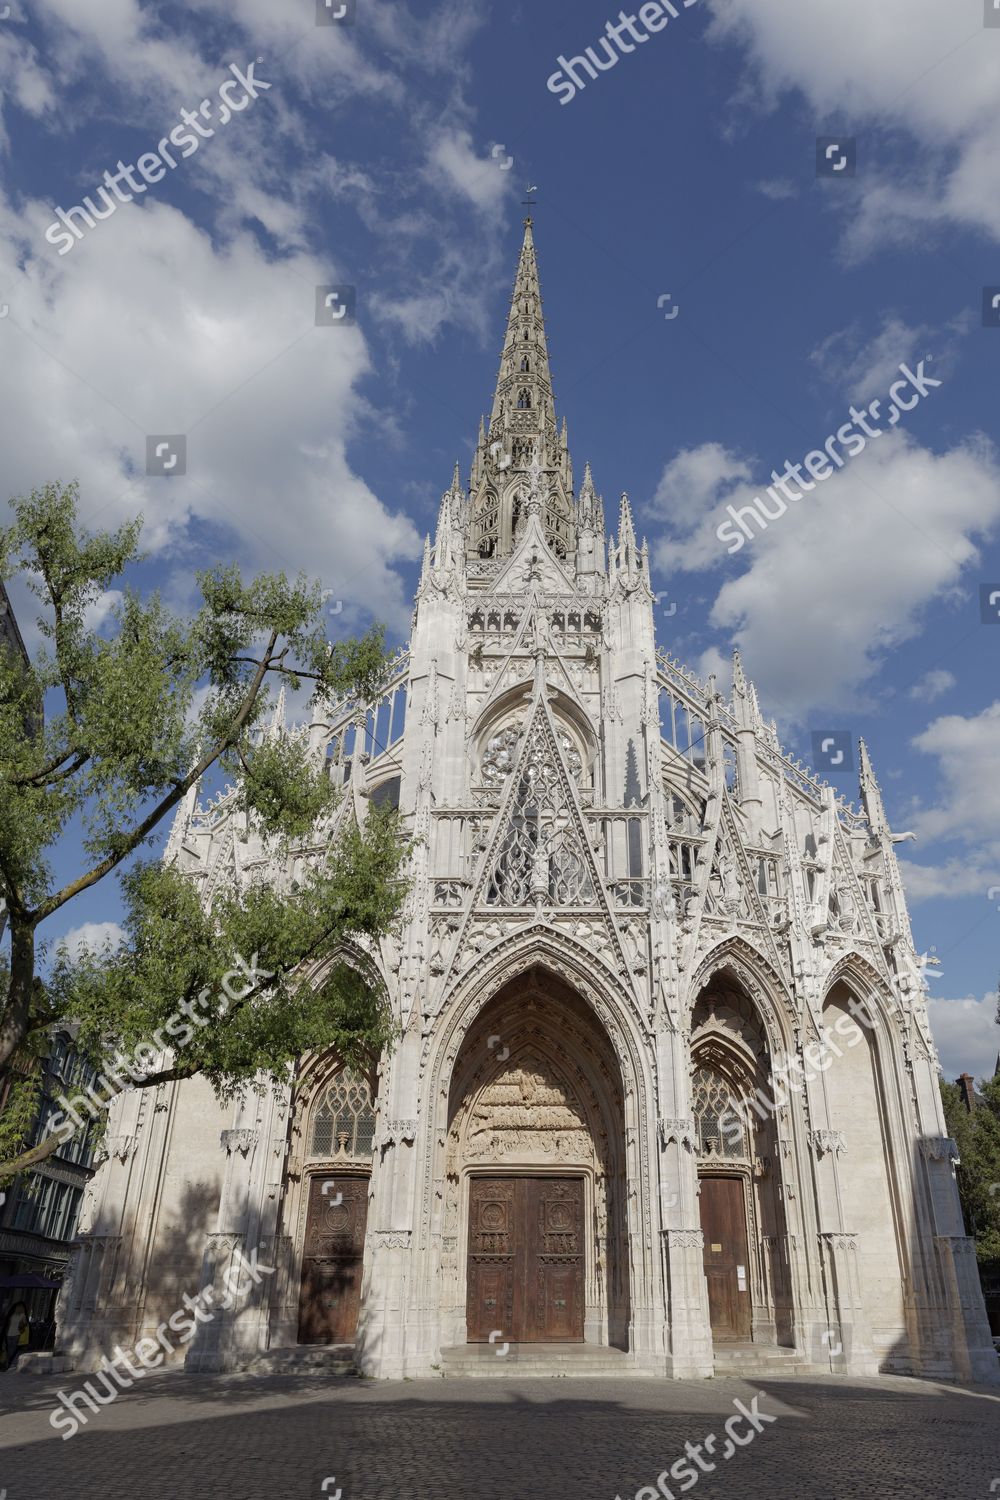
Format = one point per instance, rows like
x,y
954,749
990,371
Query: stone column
x,y
844,1346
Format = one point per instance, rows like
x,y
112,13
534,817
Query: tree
x,y
977,1136
135,715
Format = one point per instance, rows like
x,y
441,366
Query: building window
x,y
524,399
343,1123
718,1121
387,793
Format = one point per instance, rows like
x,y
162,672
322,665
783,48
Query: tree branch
x,y
132,841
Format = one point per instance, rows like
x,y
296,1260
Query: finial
x,y
739,680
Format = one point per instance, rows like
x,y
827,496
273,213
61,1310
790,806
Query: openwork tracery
x,y
541,857
343,1121
719,1126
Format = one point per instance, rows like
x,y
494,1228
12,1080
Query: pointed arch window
x,y
719,1123
524,399
343,1120
525,365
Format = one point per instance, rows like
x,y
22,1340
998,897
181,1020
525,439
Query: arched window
x,y
720,1125
524,399
525,365
343,1121
387,793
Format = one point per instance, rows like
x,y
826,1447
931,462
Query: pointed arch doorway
x,y
536,1196
339,1128
741,1186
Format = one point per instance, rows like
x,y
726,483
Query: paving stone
x,y
175,1437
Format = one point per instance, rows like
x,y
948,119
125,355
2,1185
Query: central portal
x,y
525,1273
534,1239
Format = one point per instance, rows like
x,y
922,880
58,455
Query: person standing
x,y
18,1333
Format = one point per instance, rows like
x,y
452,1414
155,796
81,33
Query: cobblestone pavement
x,y
178,1437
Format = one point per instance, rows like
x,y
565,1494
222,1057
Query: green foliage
x,y
977,1136
136,711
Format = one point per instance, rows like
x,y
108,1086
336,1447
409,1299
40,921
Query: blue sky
x,y
378,159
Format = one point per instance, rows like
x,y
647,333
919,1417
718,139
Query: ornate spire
x,y
626,526
277,727
525,340
871,795
522,432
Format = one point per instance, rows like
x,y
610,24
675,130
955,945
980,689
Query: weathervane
x,y
529,202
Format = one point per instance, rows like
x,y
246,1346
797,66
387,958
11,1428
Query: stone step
x,y
507,1359
746,1359
321,1359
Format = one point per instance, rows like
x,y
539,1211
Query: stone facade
x,y
632,916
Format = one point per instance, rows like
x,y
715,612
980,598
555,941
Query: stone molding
x,y
118,1147
959,1244
827,1142
839,1239
939,1148
683,1239
677,1132
391,1239
395,1132
238,1140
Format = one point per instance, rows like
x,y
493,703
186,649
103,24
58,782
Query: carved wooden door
x,y
330,1295
727,1270
525,1268
552,1310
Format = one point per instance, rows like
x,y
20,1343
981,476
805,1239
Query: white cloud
x,y
967,875
484,180
966,1035
931,685
697,479
968,752
778,189
919,66
867,366
215,341
822,564
93,936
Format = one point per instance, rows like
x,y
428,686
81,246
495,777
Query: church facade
x,y
664,1084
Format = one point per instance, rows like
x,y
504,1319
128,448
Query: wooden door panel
x,y
491,1267
724,1227
333,1260
525,1264
559,1309
554,1270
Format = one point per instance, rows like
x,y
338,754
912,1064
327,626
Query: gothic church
x,y
632,916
